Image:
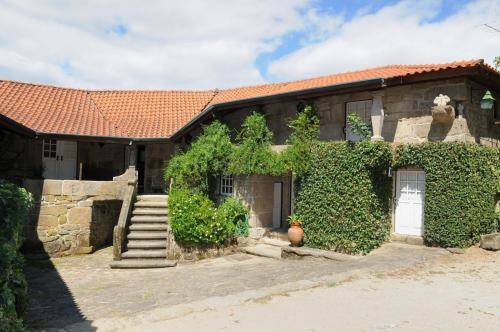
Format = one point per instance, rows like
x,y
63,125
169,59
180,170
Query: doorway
x,y
59,159
141,167
410,192
277,204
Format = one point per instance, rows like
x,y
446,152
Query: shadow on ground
x,y
50,301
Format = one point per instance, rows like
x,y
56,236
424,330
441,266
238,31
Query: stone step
x,y
263,250
139,235
274,242
277,233
149,219
153,204
409,239
142,263
150,211
144,253
149,227
147,244
162,198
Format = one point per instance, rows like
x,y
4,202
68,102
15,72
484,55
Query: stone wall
x,y
20,157
72,217
408,117
257,193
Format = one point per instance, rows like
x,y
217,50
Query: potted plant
x,y
295,232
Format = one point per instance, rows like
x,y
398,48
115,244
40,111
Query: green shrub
x,y
305,133
359,127
461,182
15,203
232,209
253,154
344,199
206,157
196,220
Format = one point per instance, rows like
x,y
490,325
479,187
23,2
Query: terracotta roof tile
x,y
48,109
150,114
155,114
377,72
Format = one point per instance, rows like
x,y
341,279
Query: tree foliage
x,y
208,156
253,153
305,132
15,203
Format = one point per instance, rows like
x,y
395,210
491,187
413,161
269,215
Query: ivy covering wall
x,y
461,182
14,205
344,196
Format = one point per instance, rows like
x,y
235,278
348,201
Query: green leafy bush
x,y
461,182
232,209
305,132
15,203
206,157
253,154
359,127
196,220
344,201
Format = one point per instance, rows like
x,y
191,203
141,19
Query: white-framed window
x,y
49,148
363,109
226,185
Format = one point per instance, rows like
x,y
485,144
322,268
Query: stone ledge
x,y
408,239
490,241
299,252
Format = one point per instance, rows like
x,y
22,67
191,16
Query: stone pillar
x,y
132,155
377,115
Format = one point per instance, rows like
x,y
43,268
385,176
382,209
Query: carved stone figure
x,y
442,112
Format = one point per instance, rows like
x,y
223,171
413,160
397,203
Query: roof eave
x,y
14,126
110,139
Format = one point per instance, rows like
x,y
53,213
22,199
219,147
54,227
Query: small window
x,y
49,148
226,185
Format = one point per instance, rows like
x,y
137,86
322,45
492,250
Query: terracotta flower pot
x,y
295,234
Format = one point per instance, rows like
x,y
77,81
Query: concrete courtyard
x,y
397,287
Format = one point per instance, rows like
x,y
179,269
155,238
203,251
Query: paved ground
x,y
448,294
82,293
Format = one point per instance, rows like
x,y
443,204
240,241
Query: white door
x,y
278,191
67,159
50,159
59,159
410,192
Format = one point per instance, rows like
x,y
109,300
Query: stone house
x,y
78,137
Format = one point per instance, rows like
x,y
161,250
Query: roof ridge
x,y
94,104
444,64
41,84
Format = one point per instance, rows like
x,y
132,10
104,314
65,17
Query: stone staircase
x,y
147,237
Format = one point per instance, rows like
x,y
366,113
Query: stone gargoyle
x,y
442,112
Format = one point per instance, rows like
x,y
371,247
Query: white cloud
x,y
402,33
193,44
167,44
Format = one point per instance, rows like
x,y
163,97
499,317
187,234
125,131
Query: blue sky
x,y
348,10
198,44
